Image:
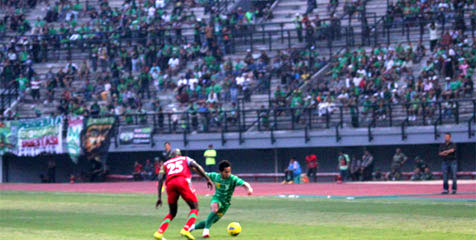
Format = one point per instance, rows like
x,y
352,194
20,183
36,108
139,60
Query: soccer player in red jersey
x,y
178,179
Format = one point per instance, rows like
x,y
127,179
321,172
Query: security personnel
x,y
210,155
449,165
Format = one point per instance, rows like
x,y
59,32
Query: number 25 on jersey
x,y
174,168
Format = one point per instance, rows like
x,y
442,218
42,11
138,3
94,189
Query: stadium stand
x,y
188,66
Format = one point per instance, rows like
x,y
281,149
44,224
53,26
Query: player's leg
x,y
192,201
221,212
172,213
214,206
192,216
218,210
214,218
172,198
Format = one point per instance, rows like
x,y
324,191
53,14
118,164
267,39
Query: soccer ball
x,y
234,229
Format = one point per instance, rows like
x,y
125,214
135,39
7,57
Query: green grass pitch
x,y
68,216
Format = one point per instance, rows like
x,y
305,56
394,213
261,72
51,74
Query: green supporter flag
x,y
8,139
73,139
95,138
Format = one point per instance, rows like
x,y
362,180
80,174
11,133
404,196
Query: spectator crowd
x,y
140,50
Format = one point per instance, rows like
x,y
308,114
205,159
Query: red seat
x,y
118,178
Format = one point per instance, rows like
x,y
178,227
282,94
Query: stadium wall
x,y
316,138
27,169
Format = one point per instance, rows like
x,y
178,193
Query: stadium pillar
x,y
275,163
1,169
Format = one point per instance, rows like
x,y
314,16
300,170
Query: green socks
x,y
212,218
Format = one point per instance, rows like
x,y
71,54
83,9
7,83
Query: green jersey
x,y
224,188
22,82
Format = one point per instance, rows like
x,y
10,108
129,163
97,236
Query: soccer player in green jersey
x,y
225,184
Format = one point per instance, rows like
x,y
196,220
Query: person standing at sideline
x,y
356,164
396,166
367,166
343,162
210,155
311,161
447,152
167,153
295,168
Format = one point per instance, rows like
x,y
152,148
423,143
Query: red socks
x,y
192,216
165,223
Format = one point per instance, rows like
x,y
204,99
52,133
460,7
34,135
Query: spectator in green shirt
x,y
22,84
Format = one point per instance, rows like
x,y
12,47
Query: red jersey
x,y
138,168
311,161
178,166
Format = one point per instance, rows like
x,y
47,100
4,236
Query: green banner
x,y
135,134
95,138
73,138
40,135
8,137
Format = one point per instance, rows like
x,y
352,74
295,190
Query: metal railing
x,y
274,119
376,30
221,6
8,95
389,30
271,120
246,35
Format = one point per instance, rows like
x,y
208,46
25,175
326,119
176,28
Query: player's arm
x,y
161,178
240,182
248,188
197,168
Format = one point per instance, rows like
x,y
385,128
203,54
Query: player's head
x,y
167,146
225,169
177,153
